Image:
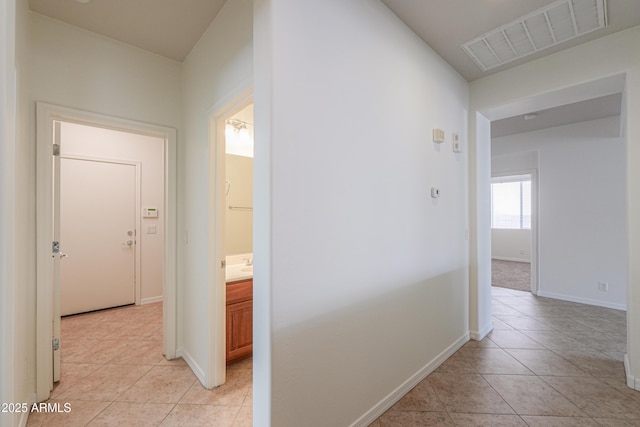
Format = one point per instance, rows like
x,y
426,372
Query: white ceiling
x,y
591,109
172,27
167,27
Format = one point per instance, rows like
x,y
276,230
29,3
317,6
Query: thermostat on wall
x,y
438,135
150,212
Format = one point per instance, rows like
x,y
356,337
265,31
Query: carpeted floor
x,y
511,275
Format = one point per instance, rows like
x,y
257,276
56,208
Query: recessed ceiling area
x,y
167,27
592,109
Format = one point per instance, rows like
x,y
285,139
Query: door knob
x,y
128,242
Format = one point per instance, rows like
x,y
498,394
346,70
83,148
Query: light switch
x,y
151,229
455,143
435,192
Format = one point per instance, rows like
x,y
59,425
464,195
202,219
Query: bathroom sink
x,y
239,267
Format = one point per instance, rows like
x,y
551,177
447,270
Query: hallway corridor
x,y
546,363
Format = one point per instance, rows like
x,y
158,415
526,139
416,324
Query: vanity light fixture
x,y
238,125
238,138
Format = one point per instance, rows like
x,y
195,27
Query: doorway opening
x,y
568,270
120,232
232,236
239,235
513,231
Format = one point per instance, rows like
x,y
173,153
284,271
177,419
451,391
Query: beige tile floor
x,y
547,363
114,374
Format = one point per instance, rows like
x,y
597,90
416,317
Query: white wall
x,y
239,223
217,68
16,383
561,71
81,140
582,221
511,244
365,267
7,244
17,229
79,69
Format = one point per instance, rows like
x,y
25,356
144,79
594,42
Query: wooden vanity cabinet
x,y
239,320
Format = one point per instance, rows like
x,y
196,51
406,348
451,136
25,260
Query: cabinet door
x,y
239,330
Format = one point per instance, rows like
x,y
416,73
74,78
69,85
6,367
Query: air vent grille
x,y
546,27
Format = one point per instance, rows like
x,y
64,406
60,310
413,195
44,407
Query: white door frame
x,y
46,114
534,221
218,114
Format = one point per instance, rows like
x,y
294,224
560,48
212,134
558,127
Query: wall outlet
x,y
521,251
603,286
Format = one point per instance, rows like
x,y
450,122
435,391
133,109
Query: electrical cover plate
x,y
455,143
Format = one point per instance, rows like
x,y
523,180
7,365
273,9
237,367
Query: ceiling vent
x,y
546,27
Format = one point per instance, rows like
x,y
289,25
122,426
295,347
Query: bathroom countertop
x,y
235,272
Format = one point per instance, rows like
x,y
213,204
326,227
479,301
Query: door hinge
x,y
223,264
55,344
56,149
55,247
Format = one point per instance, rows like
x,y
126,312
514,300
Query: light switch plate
x,y
455,143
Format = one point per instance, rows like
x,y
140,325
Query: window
x,y
511,202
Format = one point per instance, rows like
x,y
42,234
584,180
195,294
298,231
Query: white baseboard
x,y
504,258
150,300
24,416
632,382
372,414
580,300
197,370
479,335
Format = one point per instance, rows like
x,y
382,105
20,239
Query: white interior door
x,y
97,231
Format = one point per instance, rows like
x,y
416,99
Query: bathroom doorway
x,y
231,238
239,235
